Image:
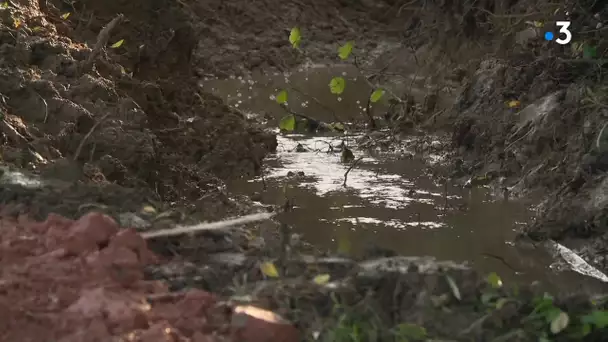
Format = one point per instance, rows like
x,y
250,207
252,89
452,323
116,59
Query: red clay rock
x,y
72,281
130,239
122,311
90,232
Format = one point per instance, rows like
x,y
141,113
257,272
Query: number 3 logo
x,y
564,29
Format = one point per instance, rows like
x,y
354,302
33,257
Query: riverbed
x,y
388,201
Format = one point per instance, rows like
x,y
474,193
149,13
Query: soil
x,y
125,130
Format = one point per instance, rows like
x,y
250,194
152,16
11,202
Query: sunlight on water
x,y
325,174
392,223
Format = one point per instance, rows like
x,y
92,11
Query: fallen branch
x,y
81,145
178,230
12,133
102,41
350,168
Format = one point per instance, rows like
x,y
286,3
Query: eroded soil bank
x,y
126,130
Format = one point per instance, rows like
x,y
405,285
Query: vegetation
x,y
336,85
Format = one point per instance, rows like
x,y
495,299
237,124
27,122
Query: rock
x,y
89,232
129,239
119,310
252,324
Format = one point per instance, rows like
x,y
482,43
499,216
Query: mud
x,y
114,127
134,134
547,143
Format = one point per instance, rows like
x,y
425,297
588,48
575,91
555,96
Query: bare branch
x,y
102,41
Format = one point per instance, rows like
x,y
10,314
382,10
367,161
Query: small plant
x,y
597,319
406,332
337,85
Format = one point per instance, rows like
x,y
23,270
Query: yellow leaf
x,y
148,209
37,29
538,24
321,279
117,44
4,5
269,269
17,23
513,104
65,15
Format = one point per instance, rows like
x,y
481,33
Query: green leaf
x,y
288,123
407,331
4,5
376,95
494,280
560,322
336,85
117,44
295,37
282,97
598,318
586,329
65,15
345,50
589,52
501,302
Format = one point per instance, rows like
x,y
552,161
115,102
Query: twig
x,y
178,230
350,168
46,108
81,145
102,40
501,259
368,110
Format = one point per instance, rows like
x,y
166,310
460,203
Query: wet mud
x,y
124,128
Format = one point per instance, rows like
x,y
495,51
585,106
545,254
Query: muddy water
x,y
388,201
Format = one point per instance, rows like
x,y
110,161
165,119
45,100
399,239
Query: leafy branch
x,y
337,85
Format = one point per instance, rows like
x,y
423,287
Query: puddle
x,y
388,202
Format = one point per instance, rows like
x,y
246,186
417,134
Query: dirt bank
x,y
120,121
527,113
551,140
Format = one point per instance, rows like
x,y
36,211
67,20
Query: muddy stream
x,y
389,201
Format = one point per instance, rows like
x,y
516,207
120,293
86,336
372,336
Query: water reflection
x,y
388,202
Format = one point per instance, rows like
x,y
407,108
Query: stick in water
x,y
208,226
